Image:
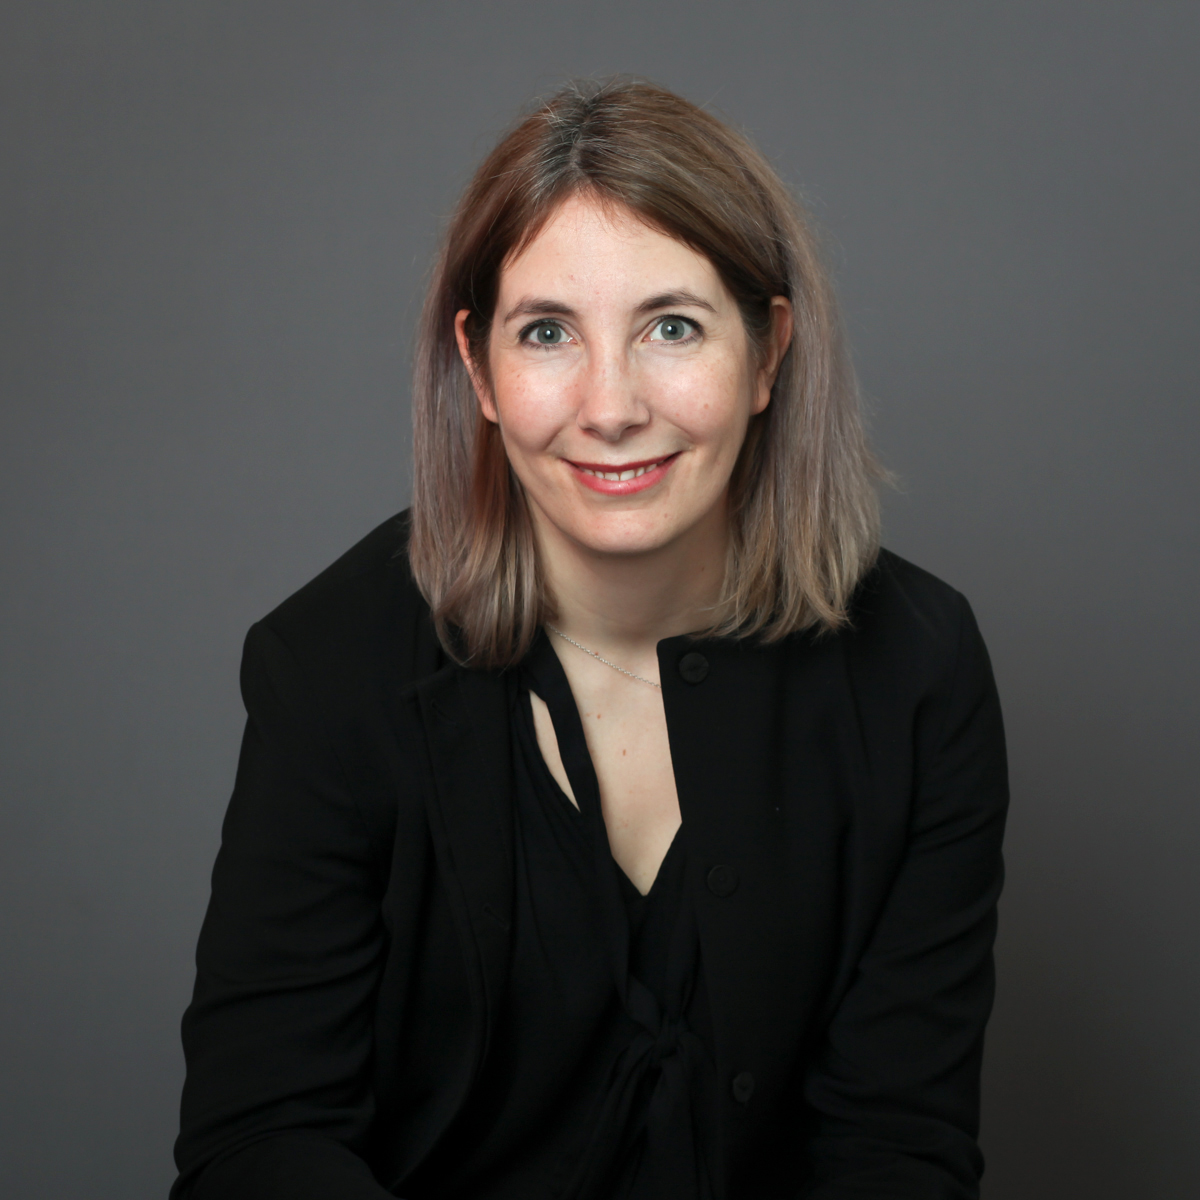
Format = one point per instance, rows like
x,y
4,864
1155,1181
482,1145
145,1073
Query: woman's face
x,y
622,379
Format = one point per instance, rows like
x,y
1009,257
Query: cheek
x,y
710,401
530,407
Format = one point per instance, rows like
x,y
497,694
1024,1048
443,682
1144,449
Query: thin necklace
x,y
639,678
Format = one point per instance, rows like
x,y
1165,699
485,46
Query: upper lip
x,y
628,466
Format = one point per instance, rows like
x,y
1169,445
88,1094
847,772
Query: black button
x,y
743,1087
722,881
693,667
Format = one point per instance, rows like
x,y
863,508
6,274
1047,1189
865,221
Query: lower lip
x,y
624,487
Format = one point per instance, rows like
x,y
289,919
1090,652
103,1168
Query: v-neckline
x,y
549,681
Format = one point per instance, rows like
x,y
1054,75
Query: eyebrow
x,y
547,307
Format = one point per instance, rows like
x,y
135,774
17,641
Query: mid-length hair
x,y
802,505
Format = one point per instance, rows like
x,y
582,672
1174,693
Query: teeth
x,y
622,476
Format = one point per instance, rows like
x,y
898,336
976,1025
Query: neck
x,y
631,601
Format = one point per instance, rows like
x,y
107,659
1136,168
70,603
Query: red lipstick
x,y
606,478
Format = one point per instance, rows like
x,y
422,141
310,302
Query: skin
x,y
614,346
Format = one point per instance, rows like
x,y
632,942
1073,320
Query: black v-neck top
x,y
600,1082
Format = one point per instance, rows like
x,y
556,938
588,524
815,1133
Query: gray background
x,y
215,223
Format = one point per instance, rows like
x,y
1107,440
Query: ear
x,y
782,324
482,392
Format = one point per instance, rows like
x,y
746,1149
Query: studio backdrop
x,y
215,224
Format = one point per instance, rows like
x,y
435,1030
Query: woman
x,y
620,822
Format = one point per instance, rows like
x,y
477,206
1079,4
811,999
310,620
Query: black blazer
x,y
844,798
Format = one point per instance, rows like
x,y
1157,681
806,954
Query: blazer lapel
x,y
764,768
465,716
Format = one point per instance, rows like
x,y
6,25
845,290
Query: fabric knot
x,y
667,1041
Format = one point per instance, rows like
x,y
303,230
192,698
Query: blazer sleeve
x,y
896,1087
278,1097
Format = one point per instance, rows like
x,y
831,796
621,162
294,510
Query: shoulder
x,y
903,598
362,616
909,629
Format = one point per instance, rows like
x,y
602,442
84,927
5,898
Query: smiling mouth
x,y
622,472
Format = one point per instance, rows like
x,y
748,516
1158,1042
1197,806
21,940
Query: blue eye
x,y
672,329
546,333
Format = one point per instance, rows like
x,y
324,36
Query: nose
x,y
610,401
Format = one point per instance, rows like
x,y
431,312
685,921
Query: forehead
x,y
587,246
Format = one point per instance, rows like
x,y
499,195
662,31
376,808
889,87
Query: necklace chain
x,y
639,678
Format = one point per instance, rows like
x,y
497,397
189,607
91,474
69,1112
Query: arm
x,y
896,1087
278,1037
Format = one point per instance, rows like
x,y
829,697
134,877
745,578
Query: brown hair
x,y
803,510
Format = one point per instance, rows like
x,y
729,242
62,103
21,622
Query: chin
x,y
620,538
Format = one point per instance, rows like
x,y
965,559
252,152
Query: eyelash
x,y
695,335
